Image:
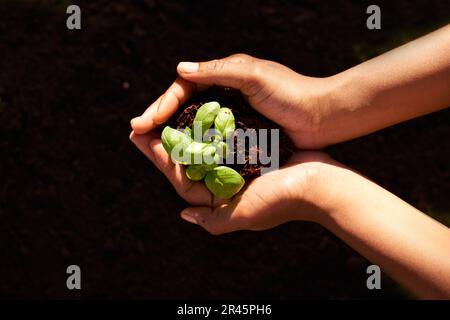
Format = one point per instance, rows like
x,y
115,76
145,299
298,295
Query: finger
x,y
233,72
177,94
145,122
165,106
192,191
222,219
240,57
141,141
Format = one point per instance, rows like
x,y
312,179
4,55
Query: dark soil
x,y
74,190
246,118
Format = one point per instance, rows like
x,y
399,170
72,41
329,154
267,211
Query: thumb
x,y
228,72
222,219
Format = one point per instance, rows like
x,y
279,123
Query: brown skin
x,y
246,73
253,208
402,84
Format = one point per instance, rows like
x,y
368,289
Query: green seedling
x,y
197,172
224,182
188,132
222,149
206,114
224,122
200,153
202,157
175,143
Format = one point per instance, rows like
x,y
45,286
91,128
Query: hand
x,y
291,100
278,98
411,247
292,195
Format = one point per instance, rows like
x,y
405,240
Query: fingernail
x,y
188,218
133,120
188,67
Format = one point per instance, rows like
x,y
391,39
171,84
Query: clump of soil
x,y
246,118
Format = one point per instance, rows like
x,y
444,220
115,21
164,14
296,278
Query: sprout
x,y
171,138
202,157
215,138
197,172
206,114
188,132
200,153
221,146
224,122
224,182
222,149
175,142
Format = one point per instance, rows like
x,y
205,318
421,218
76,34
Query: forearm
x,y
408,245
402,84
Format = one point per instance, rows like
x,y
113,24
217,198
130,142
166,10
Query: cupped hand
x,y
291,100
292,194
287,98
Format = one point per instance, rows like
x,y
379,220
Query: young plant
x,y
202,157
206,114
197,172
224,122
224,182
175,143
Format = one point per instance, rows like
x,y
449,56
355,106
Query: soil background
x,y
74,190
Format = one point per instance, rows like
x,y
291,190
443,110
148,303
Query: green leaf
x,y
221,146
197,172
196,151
224,182
201,153
216,138
206,114
188,132
224,122
222,149
175,142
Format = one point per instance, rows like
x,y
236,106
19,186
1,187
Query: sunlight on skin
x,y
244,73
315,112
250,209
194,192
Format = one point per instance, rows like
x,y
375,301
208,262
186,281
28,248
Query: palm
x,y
254,206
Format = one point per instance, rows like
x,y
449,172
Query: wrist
x,y
336,109
343,195
328,191
316,192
